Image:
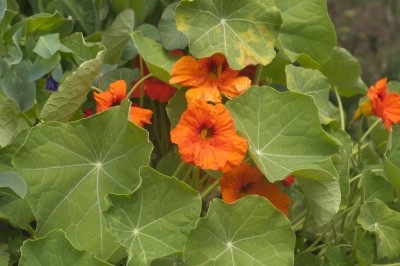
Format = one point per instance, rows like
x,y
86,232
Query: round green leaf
x,y
70,168
376,217
171,38
155,220
248,232
284,133
55,249
245,31
307,30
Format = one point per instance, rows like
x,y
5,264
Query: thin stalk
x,y
370,130
155,127
359,142
209,189
339,100
303,231
181,165
164,130
141,84
28,121
257,75
136,85
187,175
360,175
96,89
363,146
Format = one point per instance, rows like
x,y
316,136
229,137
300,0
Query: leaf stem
x,y
141,84
209,189
136,85
257,75
96,89
370,130
27,119
339,100
180,166
360,175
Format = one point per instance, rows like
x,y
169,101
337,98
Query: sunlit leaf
x,y
378,218
156,219
62,105
307,32
245,31
248,232
70,168
344,71
284,133
55,249
171,38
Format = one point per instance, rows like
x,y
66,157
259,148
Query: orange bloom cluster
x,y
208,77
381,104
206,137
248,180
114,96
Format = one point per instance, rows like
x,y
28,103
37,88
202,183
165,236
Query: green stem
x,y
96,89
28,121
164,130
360,175
303,231
339,100
359,142
257,75
209,189
136,85
370,129
41,6
75,10
187,175
181,165
155,127
141,84
363,146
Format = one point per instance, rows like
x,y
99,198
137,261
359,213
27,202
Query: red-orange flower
x,y
248,180
288,181
206,137
114,96
208,77
381,104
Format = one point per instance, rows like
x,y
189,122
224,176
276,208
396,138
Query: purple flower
x,y
51,84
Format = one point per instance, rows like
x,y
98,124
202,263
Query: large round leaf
x,y
248,232
284,133
70,168
55,249
245,31
156,219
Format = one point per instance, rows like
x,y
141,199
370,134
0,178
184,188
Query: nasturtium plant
x,y
226,132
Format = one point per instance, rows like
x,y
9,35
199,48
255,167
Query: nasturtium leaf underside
x,y
312,83
392,159
248,232
307,30
245,31
55,249
70,168
284,133
158,60
9,113
322,196
344,71
155,220
171,38
376,217
62,105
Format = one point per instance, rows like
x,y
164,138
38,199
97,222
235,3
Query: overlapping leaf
x,y
376,217
171,38
156,219
284,133
245,31
62,105
307,33
55,249
70,168
248,232
392,159
376,187
9,113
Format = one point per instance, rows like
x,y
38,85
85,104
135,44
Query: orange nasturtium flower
x,y
381,104
248,180
206,137
114,96
208,77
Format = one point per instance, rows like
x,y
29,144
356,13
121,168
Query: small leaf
x,y
245,31
81,51
284,133
250,231
306,258
9,113
344,72
376,187
62,105
378,218
14,182
47,45
55,249
69,170
171,38
176,106
337,256
307,30
363,247
148,225
43,66
158,60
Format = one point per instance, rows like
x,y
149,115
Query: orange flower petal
x,y
206,137
247,180
140,116
112,97
188,72
233,87
206,93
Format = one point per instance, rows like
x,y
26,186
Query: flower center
x,y
205,133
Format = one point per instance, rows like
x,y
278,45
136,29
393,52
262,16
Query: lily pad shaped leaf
x,y
155,220
284,133
375,216
70,168
245,31
248,232
55,249
307,30
392,158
